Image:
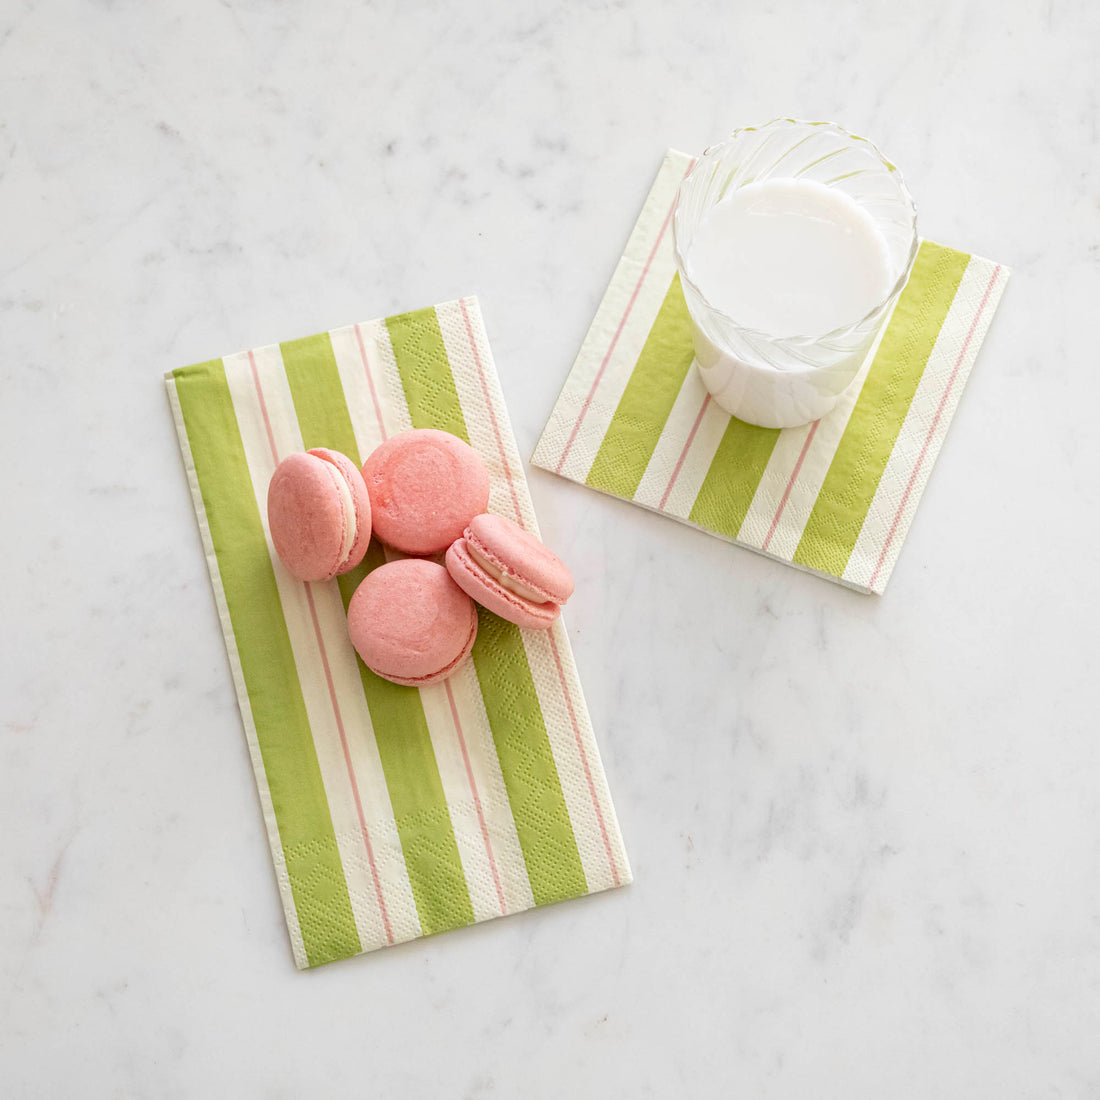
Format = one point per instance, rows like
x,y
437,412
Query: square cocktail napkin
x,y
392,812
835,497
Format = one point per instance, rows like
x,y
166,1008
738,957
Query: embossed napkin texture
x,y
835,497
392,812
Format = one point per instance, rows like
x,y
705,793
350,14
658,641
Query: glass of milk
x,y
793,241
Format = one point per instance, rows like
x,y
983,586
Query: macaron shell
x,y
425,487
306,517
518,554
360,497
478,585
410,623
443,673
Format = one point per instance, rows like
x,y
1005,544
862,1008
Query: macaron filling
x,y
505,580
348,505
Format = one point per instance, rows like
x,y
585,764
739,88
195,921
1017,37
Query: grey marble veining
x,y
865,832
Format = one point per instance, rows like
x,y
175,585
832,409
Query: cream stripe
x,y
577,399
469,840
365,405
469,379
547,681
914,434
811,476
704,446
471,397
572,774
391,392
493,793
479,869
393,879
670,445
270,822
777,475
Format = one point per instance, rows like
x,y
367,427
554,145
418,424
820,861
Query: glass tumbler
x,y
780,380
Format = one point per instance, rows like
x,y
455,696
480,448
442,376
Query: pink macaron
x,y
319,514
410,623
425,486
510,572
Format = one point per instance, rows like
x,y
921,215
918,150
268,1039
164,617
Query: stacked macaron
x,y
508,571
423,493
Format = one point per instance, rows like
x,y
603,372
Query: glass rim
x,y
839,330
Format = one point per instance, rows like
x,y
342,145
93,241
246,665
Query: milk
x,y
790,257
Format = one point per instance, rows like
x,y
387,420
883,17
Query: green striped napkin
x,y
392,812
835,497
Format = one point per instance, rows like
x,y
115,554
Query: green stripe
x,y
400,729
425,372
850,484
526,761
733,477
318,394
531,778
302,815
647,400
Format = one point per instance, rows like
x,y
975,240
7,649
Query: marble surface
x,y
865,832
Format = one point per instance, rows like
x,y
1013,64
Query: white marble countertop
x,y
865,832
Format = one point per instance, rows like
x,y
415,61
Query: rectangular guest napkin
x,y
392,812
835,497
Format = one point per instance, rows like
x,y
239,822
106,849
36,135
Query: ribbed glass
x,y
788,149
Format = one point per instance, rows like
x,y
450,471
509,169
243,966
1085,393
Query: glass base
x,y
767,396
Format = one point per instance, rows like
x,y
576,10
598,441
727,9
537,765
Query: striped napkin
x,y
392,812
835,497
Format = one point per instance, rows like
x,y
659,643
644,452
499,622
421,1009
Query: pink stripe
x,y
584,761
263,407
932,429
347,761
370,382
489,406
331,687
476,797
790,483
618,331
553,644
684,452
